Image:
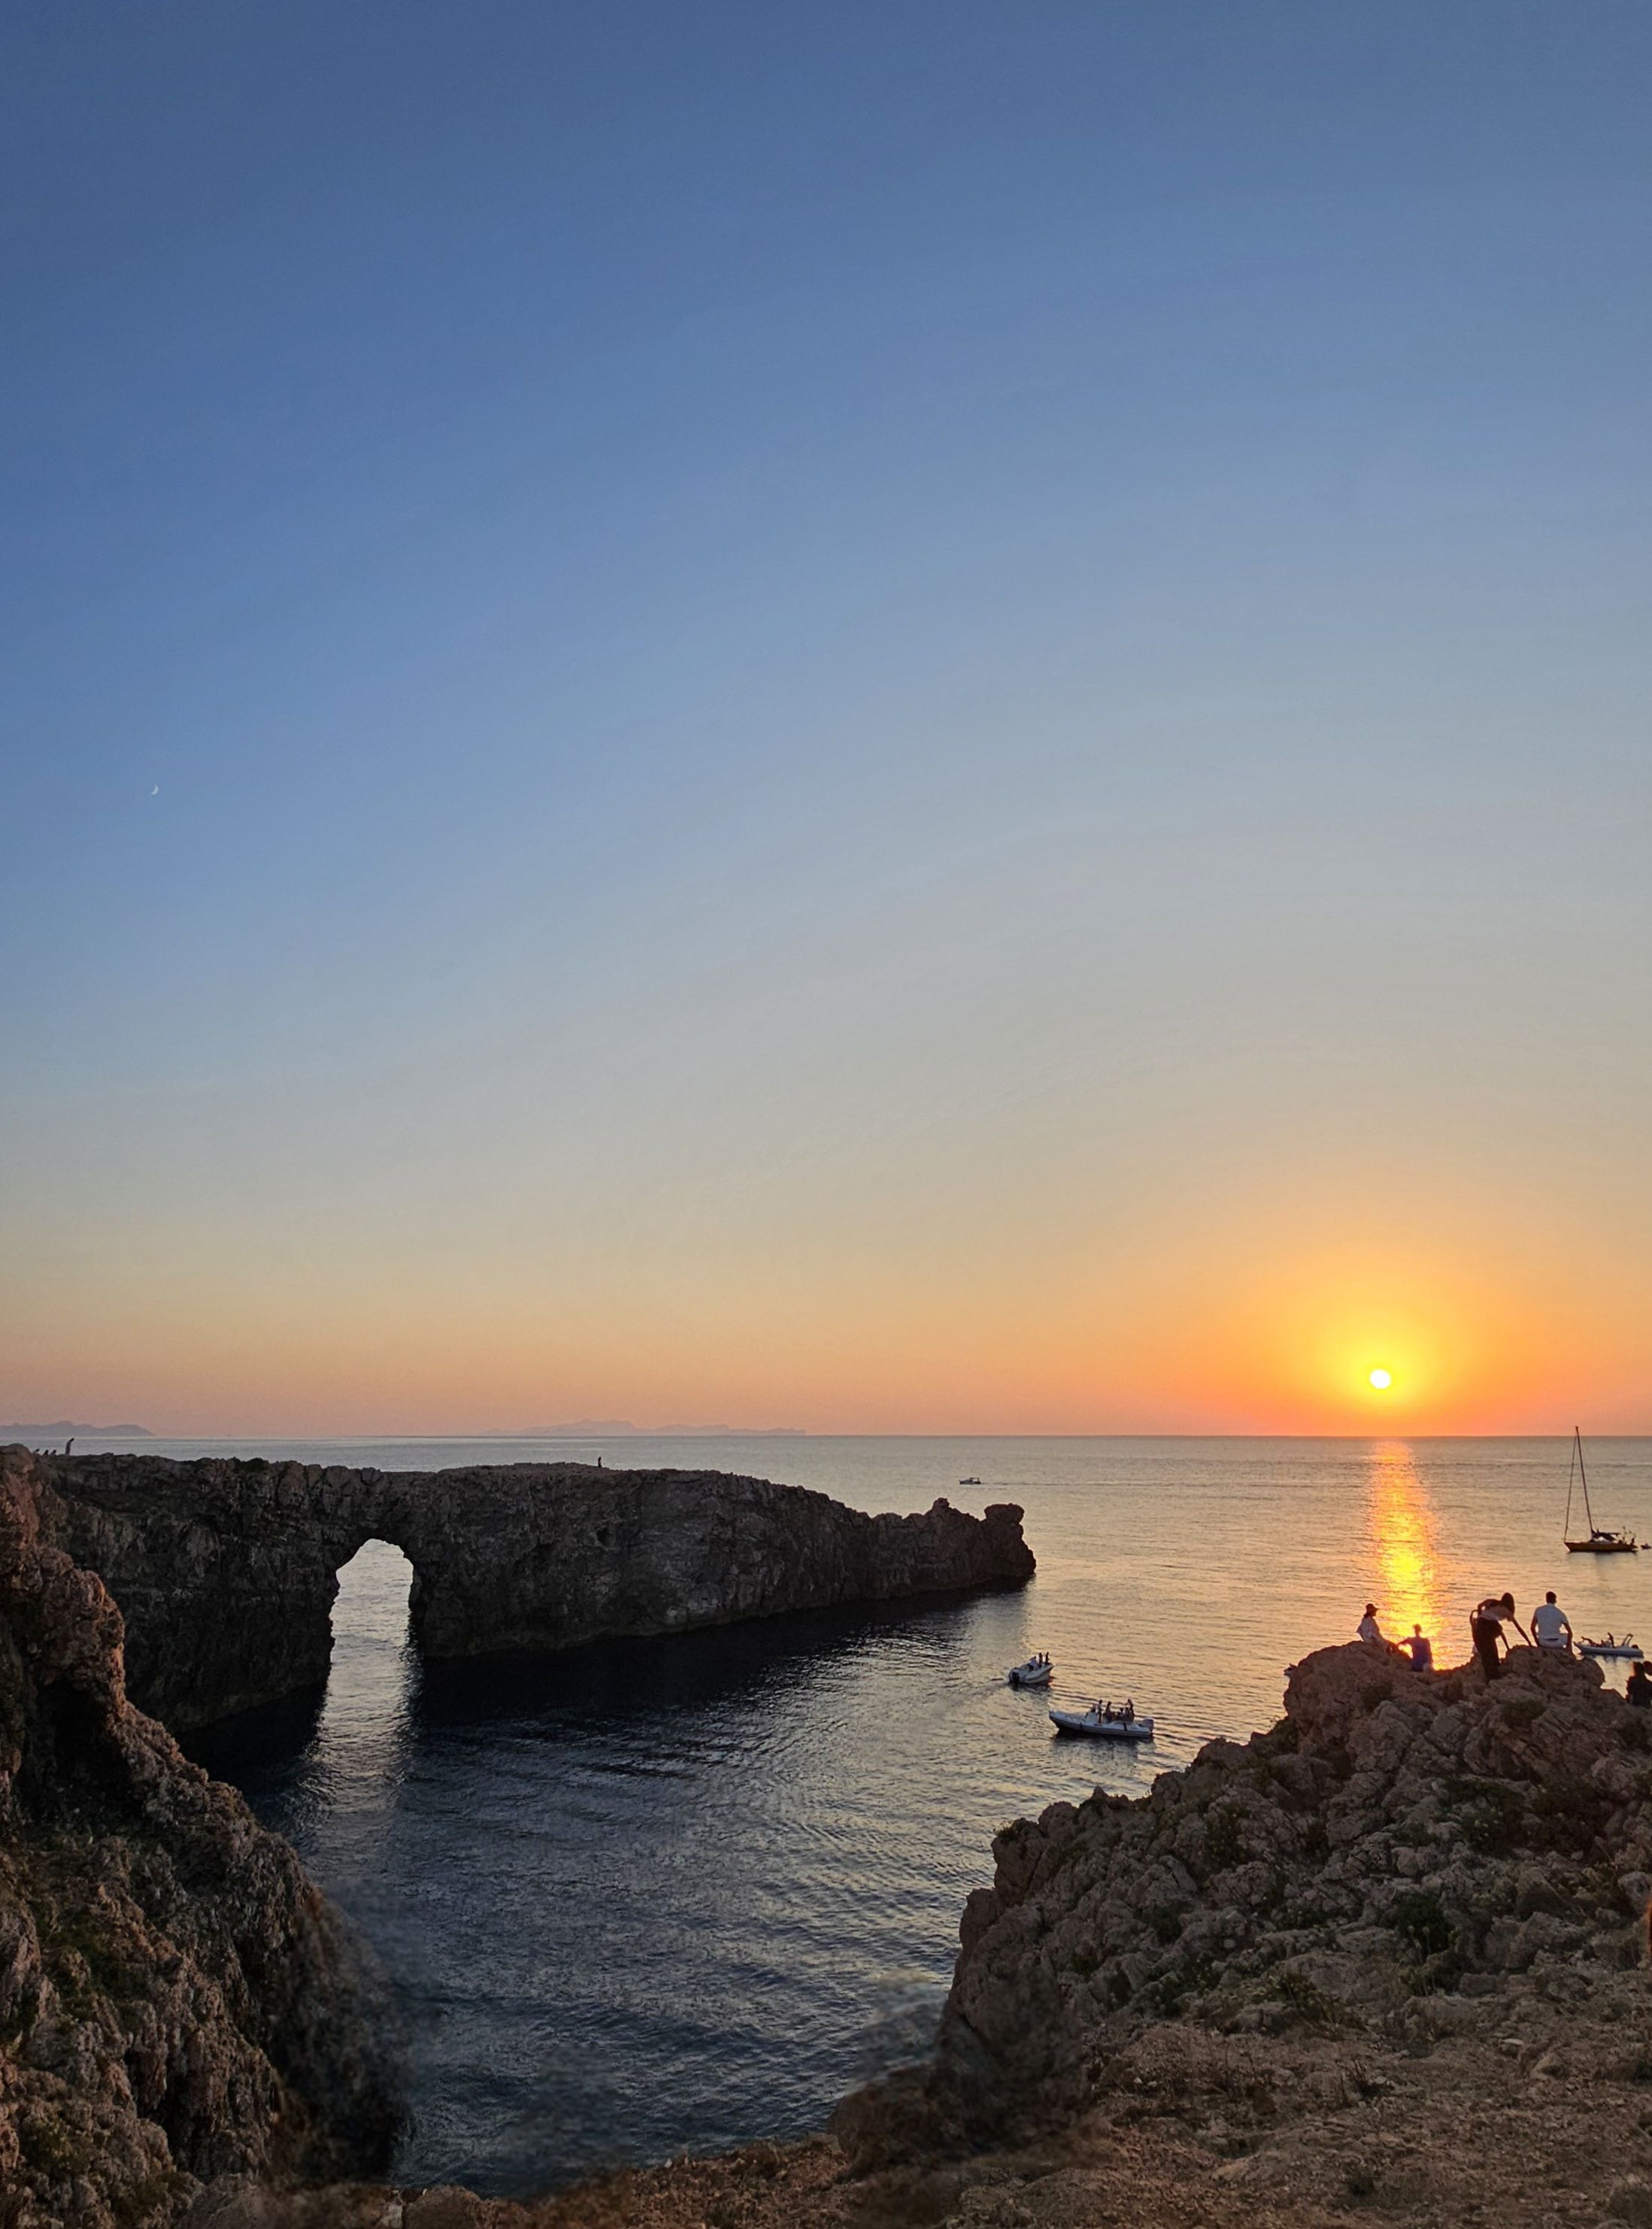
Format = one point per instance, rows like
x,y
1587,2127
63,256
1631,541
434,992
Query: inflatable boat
x,y
1091,1722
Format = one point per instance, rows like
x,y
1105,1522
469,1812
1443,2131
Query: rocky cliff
x,y
1399,1839
177,2001
225,1572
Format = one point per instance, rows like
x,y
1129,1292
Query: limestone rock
x,y
177,2001
1387,1861
225,1571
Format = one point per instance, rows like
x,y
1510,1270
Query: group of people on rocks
x,y
1551,1631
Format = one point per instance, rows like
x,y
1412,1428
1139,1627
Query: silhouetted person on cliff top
x,y
1486,1624
1421,1647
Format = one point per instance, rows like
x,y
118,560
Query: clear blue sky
x,y
819,712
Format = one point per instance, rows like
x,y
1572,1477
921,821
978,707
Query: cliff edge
x,y
177,2001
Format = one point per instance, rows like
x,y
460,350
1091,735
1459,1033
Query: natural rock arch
x,y
225,1572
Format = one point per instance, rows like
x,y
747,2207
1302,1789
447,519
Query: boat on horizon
x,y
1600,1541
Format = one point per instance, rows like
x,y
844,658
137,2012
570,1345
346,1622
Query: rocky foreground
x,y
1383,1963
177,2002
226,1571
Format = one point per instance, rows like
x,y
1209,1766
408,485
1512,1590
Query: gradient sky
x,y
922,717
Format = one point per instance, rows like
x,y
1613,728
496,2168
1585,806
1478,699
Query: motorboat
x,y
1627,1650
1599,1541
1098,1725
1037,1672
970,1481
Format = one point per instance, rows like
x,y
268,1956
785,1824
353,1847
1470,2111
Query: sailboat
x,y
1598,1543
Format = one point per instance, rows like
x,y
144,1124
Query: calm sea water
x,y
670,1895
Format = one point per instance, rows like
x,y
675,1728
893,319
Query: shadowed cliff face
x,y
225,1572
177,2001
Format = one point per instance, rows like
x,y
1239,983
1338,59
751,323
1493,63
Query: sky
x,y
884,719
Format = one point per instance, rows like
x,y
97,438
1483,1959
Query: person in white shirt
x,y
1551,1627
1369,1629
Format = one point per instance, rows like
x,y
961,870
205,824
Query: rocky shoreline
x,y
1384,1961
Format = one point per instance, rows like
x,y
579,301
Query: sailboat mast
x,y
1576,1441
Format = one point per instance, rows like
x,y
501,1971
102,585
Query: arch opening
x,y
372,1606
373,1674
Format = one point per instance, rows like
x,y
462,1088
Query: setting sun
x,y
1382,1379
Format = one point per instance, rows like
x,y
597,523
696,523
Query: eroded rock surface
x,y
1400,1851
225,1572
177,2001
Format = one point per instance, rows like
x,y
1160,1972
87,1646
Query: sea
x,y
666,1896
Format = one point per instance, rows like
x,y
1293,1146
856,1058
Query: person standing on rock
x,y
1421,1649
1639,1690
1551,1627
1486,1624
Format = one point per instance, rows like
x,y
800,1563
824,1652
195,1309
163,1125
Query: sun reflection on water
x,y
1400,1517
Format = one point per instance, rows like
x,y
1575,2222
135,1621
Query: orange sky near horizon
x,y
1175,1324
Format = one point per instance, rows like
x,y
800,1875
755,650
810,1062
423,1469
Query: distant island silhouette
x,y
63,1429
589,1428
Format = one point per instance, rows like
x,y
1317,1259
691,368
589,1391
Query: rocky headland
x,y
225,1571
1382,1962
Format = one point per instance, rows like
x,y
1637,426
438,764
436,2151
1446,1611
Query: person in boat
x,y
1639,1689
1369,1629
1486,1623
1129,1710
1551,1627
1420,1647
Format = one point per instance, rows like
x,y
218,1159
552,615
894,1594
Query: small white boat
x,y
1037,1672
1628,1648
1093,1723
970,1481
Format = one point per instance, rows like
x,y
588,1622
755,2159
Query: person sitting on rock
x,y
1369,1629
1551,1627
1421,1647
1486,1623
1639,1689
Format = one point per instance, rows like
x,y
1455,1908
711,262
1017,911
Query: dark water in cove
x,y
673,1895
